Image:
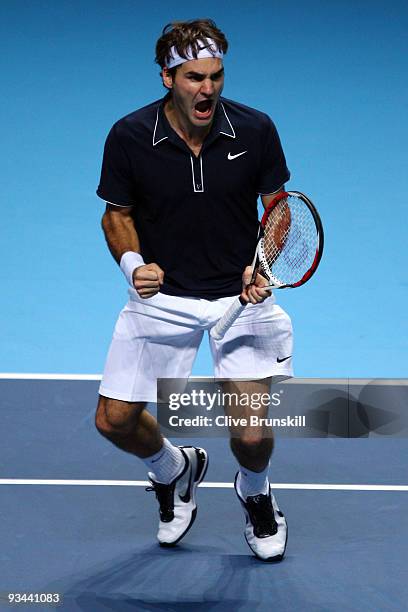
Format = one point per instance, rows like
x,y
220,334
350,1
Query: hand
x,y
254,292
147,280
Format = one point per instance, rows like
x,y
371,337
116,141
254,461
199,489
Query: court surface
x,y
76,519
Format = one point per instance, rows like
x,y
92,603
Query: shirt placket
x,y
197,173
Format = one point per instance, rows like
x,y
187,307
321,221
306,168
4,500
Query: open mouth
x,y
203,109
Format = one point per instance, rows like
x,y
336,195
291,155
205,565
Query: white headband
x,y
209,49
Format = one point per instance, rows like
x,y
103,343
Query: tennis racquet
x,y
288,251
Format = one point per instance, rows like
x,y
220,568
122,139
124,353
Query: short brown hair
x,y
187,34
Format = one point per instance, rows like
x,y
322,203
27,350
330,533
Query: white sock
x,y
252,483
166,464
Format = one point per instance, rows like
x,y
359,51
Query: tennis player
x,y
181,178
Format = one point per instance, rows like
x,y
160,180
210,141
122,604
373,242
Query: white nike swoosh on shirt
x,y
237,155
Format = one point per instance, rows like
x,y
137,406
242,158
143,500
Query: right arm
x,y
121,237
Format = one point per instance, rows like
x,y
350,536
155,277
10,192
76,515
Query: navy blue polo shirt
x,y
196,216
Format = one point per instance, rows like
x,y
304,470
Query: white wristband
x,y
128,262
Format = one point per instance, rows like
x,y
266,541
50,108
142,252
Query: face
x,y
195,89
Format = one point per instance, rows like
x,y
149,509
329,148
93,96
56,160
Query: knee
x,y
253,443
114,417
102,421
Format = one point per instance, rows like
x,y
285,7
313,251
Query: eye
x,y
217,77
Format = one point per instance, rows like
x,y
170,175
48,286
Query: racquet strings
x,y
290,241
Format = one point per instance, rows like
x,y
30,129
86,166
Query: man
x,y
181,178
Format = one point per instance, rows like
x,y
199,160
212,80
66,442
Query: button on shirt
x,y
196,216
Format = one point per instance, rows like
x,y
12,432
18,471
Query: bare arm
x,y
121,237
267,199
120,232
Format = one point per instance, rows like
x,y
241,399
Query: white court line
x,y
207,485
27,376
293,381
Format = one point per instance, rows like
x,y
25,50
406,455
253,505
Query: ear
x,y
167,78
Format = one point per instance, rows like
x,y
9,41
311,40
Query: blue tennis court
x,y
77,521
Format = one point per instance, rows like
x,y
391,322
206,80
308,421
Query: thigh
x,y
154,338
258,345
243,398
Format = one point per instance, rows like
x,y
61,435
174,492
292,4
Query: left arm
x,y
267,199
255,293
272,172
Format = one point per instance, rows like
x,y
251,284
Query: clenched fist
x,y
147,280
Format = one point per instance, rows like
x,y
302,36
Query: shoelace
x,y
262,515
165,497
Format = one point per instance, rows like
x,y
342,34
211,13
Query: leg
x,y
257,347
251,446
128,426
153,338
265,528
131,428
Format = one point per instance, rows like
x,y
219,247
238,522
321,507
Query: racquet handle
x,y
233,312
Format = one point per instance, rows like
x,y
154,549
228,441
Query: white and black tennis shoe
x,y
177,500
266,530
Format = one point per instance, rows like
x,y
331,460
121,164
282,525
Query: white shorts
x,y
159,338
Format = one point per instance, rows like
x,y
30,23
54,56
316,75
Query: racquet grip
x,y
228,318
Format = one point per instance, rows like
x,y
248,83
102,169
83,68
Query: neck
x,y
191,134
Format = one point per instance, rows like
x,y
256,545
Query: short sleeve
x,y
274,171
116,184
